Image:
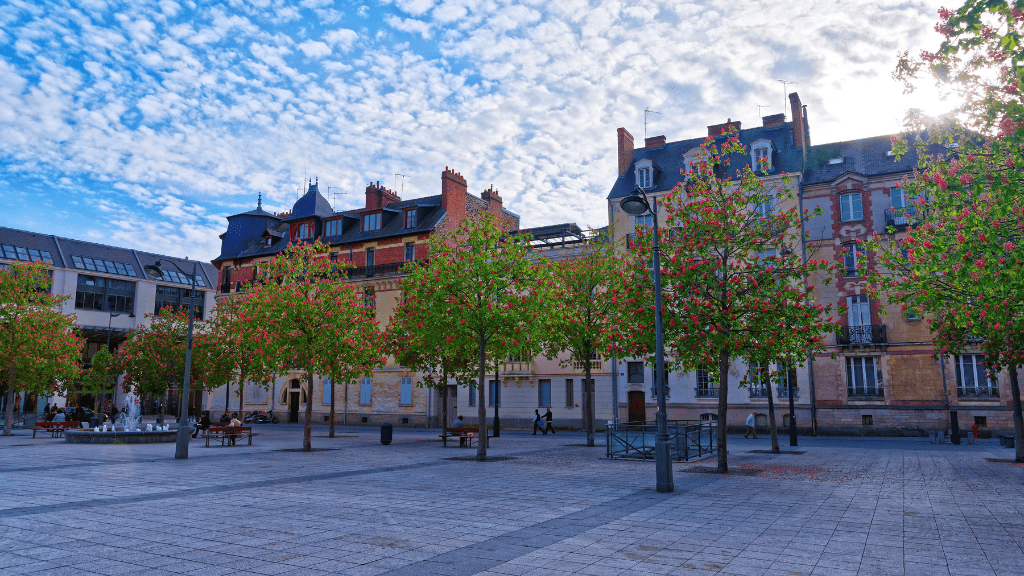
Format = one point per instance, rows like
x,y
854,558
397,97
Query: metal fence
x,y
687,439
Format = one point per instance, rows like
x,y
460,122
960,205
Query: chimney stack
x,y
799,124
654,142
493,202
378,196
625,150
717,130
453,197
774,120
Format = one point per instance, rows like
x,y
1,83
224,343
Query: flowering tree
x,y
585,285
734,278
303,314
39,350
491,295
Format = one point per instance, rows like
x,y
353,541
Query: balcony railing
x,y
900,218
517,367
758,391
868,335
708,392
581,367
865,392
783,392
988,392
391,269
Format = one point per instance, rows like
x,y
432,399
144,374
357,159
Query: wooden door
x,y
293,406
637,406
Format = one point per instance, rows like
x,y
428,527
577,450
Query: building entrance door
x,y
293,406
637,406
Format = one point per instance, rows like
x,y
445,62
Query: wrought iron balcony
x,y
868,335
865,392
379,270
708,392
900,218
758,391
982,392
783,392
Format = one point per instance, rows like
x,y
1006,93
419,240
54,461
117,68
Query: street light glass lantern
x,y
154,271
634,205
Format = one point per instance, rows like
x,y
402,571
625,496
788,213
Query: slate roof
x,y
63,250
312,203
867,156
669,158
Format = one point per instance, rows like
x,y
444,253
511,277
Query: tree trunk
x,y
331,432
241,397
307,428
588,399
723,410
481,410
444,403
773,429
9,413
1018,419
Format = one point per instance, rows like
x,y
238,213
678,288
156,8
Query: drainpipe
x,y
810,357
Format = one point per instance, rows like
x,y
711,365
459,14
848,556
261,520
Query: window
x,y
644,220
255,394
371,222
98,265
788,382
764,209
370,259
707,382
269,241
758,378
172,298
863,378
410,251
570,401
853,254
850,207
981,421
709,417
654,385
858,311
903,205
472,394
405,392
26,254
643,177
370,297
635,371
365,389
867,420
410,218
328,387
544,393
332,228
761,156
972,378
304,231
493,392
108,294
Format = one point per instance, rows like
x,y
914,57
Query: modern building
x,y
378,239
109,293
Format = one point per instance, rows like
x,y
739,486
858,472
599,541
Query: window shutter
x,y
328,387
365,387
405,393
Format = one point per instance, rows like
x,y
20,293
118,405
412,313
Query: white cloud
x,y
410,25
315,49
342,38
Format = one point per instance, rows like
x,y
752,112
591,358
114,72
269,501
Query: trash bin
x,y
385,434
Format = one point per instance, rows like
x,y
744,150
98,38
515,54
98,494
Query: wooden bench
x,y
226,433
56,429
466,435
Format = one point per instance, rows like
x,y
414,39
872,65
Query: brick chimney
x,y
799,124
453,196
625,150
654,141
718,129
378,196
493,202
774,120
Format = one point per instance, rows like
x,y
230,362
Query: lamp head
x,y
635,204
153,270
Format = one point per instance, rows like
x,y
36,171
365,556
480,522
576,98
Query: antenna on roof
x,y
647,111
759,106
784,82
334,196
403,182
259,201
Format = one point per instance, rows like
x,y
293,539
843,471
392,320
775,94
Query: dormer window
x,y
691,162
645,174
269,241
304,231
761,156
371,222
410,218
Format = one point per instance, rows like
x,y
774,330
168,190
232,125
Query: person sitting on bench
x,y
203,425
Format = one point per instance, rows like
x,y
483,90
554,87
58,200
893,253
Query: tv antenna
x,y
403,182
647,112
759,106
333,196
784,82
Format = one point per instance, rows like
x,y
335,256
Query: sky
x,y
143,124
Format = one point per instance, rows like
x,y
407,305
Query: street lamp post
x,y
496,396
99,397
636,204
184,435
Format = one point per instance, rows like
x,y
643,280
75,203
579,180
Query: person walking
x,y
547,416
750,426
537,423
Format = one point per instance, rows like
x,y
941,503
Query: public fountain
x,y
125,430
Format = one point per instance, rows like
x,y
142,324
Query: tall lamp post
x,y
184,435
636,204
99,399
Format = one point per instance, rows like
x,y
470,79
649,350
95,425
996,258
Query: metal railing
x,y
980,392
783,391
862,335
687,439
872,392
900,218
759,391
707,392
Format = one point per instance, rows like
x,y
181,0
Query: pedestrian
x,y
537,423
204,424
547,416
226,417
750,427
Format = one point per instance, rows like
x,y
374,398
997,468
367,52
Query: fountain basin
x,y
89,436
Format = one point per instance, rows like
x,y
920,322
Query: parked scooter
x,y
260,417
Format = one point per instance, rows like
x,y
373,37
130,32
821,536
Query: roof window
x,y
838,160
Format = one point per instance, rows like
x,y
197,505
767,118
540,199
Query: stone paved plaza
x,y
846,506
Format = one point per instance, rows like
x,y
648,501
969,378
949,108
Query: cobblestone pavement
x,y
845,506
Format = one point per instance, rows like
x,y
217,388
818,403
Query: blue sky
x,y
144,123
